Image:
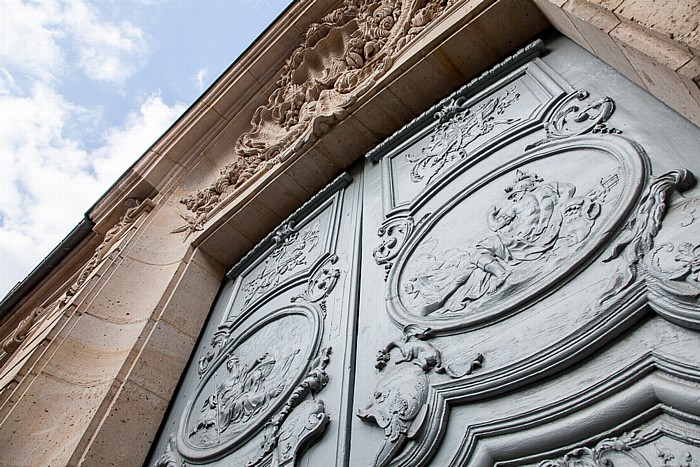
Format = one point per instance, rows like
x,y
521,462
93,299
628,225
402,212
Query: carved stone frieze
x,y
458,126
110,245
574,115
316,87
21,331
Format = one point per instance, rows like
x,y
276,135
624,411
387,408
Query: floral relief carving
x,y
457,127
290,253
321,283
625,450
338,60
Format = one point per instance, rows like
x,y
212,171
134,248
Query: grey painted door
x,y
512,279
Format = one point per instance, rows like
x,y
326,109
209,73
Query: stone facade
x,y
93,355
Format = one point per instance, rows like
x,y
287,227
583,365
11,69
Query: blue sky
x,y
86,86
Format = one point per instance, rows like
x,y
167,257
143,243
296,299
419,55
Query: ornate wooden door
x,y
511,279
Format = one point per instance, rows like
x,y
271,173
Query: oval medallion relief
x,y
250,381
516,234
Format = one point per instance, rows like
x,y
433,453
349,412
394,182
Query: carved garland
x,y
133,209
316,87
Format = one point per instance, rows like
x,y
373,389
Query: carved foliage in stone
x,y
399,404
337,61
575,116
21,331
133,208
290,253
457,127
638,239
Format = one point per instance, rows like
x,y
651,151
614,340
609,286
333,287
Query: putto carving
x,y
533,220
570,119
290,253
399,404
316,87
457,127
638,239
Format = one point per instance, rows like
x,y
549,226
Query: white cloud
x,y
107,52
48,180
36,36
29,38
200,77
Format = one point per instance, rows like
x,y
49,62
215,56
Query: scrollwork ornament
x,y
291,251
321,283
638,238
458,126
170,457
597,456
316,89
315,380
574,117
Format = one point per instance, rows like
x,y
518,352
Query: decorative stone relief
x,y
110,245
21,331
457,127
290,253
316,88
400,401
531,225
395,232
569,119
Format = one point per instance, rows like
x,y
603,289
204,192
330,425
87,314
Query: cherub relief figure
x,y
528,224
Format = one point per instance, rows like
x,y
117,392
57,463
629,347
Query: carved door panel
x,y
511,279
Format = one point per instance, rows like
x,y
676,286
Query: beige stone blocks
x,y
653,43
